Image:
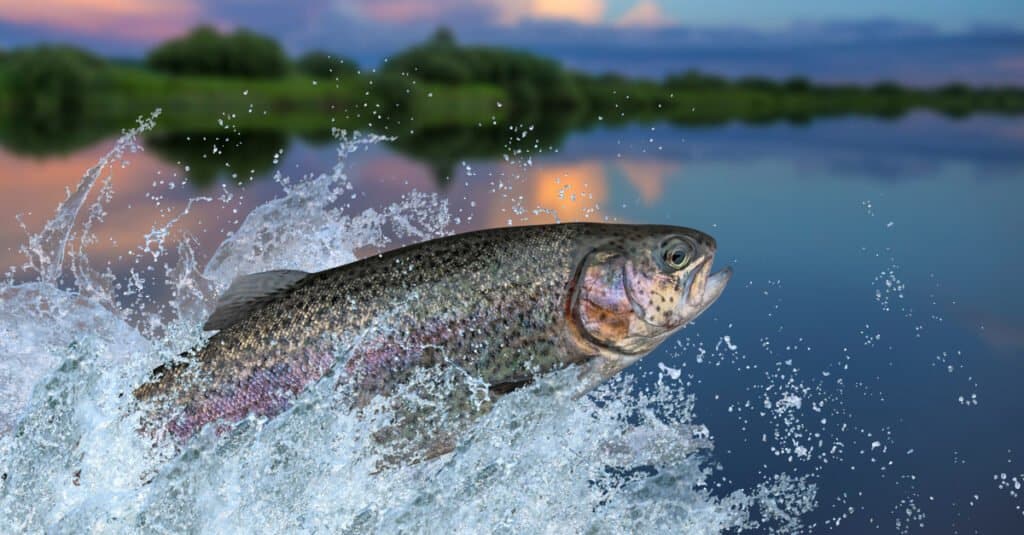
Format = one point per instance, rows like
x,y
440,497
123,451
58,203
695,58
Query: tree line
x,y
50,83
206,51
55,81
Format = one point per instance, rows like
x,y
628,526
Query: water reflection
x,y
443,149
568,192
810,216
148,191
72,134
1005,335
239,155
609,172
649,176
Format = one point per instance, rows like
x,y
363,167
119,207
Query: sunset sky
x,y
981,39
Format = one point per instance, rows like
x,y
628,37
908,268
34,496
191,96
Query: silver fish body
x,y
501,305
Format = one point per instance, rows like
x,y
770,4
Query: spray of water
x,y
75,342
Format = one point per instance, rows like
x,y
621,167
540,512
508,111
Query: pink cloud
x,y
143,20
506,12
645,14
579,11
1013,64
405,11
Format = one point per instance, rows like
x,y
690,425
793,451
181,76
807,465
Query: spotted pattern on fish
x,y
501,305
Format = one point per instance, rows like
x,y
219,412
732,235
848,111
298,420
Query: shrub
x,y
954,89
694,80
205,51
531,81
322,65
392,89
888,88
797,84
757,83
49,84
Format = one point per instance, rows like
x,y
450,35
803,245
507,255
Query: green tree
x,y
695,81
322,65
443,37
253,55
49,85
888,88
954,89
758,83
205,51
532,82
797,84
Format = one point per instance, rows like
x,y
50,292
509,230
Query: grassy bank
x,y
443,99
294,102
301,104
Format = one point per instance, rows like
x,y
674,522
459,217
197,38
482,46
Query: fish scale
x,y
501,304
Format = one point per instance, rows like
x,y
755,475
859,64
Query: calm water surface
x,y
877,285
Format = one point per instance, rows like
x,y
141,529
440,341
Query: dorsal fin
x,y
249,292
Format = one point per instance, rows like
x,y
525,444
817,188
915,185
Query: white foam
x,y
626,460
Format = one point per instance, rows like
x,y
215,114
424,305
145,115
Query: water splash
x,y
627,459
46,250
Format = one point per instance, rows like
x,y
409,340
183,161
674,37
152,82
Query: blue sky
x,y
947,15
142,21
917,41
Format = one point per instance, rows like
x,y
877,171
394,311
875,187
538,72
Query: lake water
x,y
872,338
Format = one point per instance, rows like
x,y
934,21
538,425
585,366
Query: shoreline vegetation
x,y
444,101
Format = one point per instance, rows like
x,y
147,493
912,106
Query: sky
x,y
834,39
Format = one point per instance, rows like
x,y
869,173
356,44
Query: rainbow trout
x,y
502,305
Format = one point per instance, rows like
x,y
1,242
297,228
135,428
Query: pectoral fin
x,y
500,389
596,371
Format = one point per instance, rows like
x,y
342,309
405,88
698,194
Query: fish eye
x,y
677,255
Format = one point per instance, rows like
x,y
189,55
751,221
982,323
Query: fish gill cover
x,y
76,340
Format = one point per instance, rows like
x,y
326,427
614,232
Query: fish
x,y
500,306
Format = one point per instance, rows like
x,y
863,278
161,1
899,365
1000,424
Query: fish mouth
x,y
714,286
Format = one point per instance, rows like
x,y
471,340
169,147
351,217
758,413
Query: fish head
x,y
633,290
